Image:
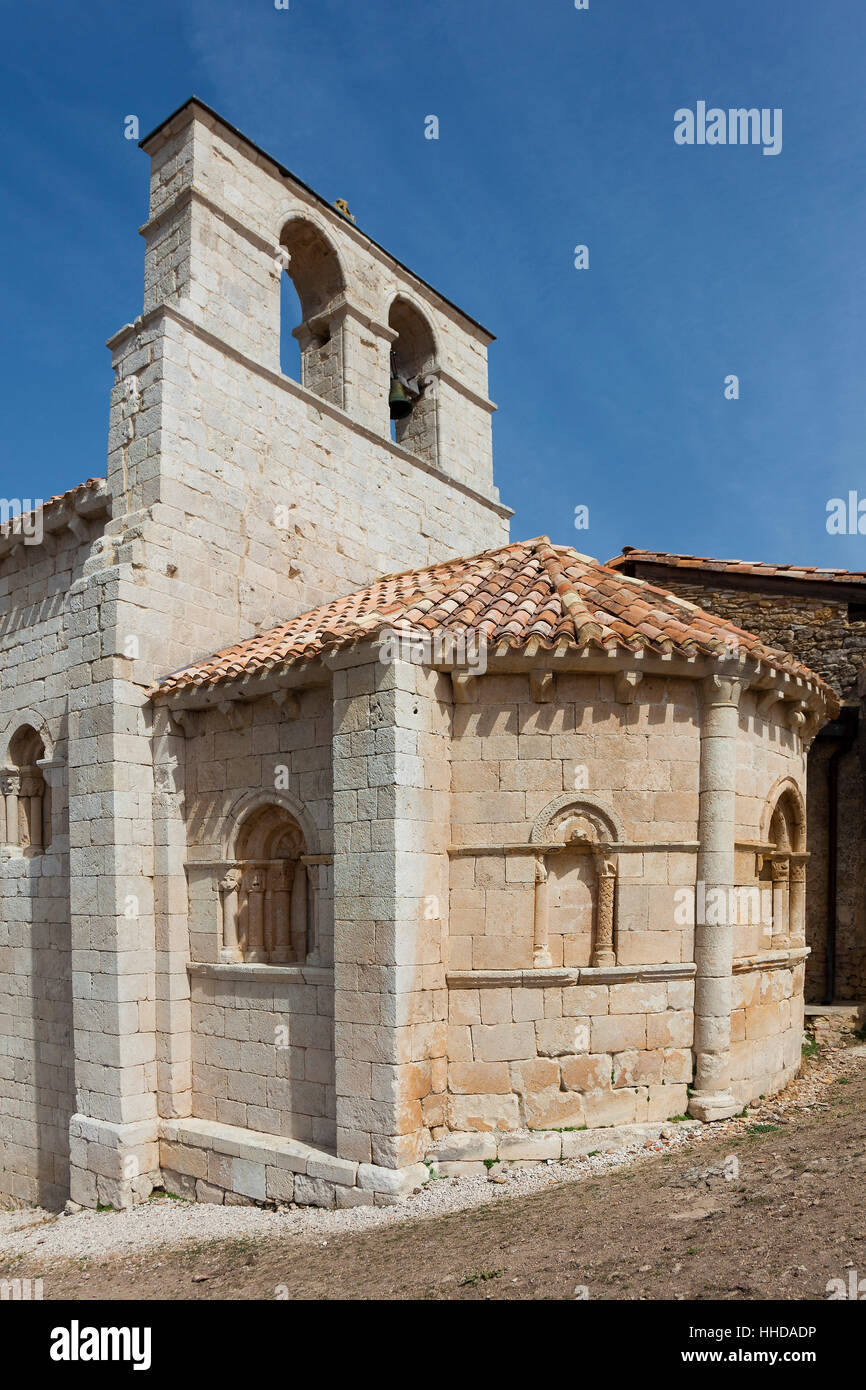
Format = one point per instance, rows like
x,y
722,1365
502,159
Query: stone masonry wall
x,y
563,1055
262,1037
816,630
43,664
574,1045
766,1028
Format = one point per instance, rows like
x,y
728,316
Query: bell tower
x,y
263,494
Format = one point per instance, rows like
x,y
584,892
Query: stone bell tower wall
x,y
260,496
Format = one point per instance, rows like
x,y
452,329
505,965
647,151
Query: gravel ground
x,y
163,1223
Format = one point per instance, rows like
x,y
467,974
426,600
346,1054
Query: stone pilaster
x,y
113,1148
391,826
712,1098
171,925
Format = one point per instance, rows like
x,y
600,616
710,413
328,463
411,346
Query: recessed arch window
x,y
26,809
267,892
311,298
412,396
785,864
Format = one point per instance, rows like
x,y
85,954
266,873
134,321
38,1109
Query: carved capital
x,y
232,881
722,690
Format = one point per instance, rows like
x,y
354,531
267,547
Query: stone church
x,y
331,855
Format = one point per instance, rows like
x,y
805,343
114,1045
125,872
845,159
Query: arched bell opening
x,y
412,394
316,292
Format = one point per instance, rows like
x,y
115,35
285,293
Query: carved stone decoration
x,y
542,686
228,887
580,822
626,685
797,903
10,783
26,796
767,702
722,690
163,775
287,702
464,688
780,870
265,897
547,824
603,951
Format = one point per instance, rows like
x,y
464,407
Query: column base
x,y
541,959
716,1105
604,958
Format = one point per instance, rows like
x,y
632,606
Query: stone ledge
x,y
585,974
771,960
291,974
207,1161
552,846
467,1152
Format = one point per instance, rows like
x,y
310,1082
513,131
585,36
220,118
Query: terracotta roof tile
x,y
92,488
755,567
527,590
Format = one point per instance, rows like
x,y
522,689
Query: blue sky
x,y
556,129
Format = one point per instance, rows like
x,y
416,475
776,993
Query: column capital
x,y
720,689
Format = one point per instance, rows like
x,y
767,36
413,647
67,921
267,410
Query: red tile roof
x,y
526,590
756,567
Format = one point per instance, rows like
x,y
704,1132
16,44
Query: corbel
x,y
187,721
542,687
463,688
766,703
233,711
626,685
287,703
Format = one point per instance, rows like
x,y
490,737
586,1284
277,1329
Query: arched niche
x,y
266,893
313,266
784,816
26,798
577,827
413,358
783,825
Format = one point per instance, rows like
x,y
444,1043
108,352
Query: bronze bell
x,y
399,400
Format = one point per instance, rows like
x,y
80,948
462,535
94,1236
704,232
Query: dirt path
x,y
774,1211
